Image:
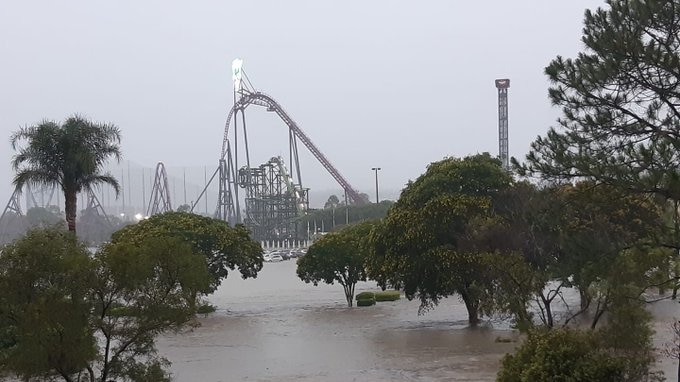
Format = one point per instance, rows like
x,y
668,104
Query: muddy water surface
x,y
277,328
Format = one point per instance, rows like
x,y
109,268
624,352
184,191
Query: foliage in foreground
x,y
337,257
572,355
67,314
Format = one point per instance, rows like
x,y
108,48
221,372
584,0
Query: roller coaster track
x,y
159,201
291,187
258,98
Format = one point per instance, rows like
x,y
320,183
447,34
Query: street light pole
x,y
376,169
346,209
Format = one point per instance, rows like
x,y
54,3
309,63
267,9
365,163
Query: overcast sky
x,y
394,84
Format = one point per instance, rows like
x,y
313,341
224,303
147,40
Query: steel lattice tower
x,y
502,85
12,220
160,193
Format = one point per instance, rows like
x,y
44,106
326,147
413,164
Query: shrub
x,y
365,295
389,295
205,309
563,355
366,302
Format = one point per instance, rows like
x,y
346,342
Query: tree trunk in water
x,y
70,207
585,298
472,308
548,311
349,294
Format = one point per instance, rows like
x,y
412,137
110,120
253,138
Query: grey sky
x,y
395,84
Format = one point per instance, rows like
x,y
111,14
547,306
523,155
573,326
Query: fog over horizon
x,y
390,84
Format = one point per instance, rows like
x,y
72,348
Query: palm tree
x,y
70,155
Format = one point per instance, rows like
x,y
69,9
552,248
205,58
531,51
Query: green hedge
x,y
365,295
366,302
388,295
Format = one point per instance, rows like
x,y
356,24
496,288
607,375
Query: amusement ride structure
x,y
274,197
159,202
269,198
503,152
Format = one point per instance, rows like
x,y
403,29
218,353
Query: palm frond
x,y
35,177
98,180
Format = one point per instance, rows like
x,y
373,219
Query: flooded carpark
x,y
277,328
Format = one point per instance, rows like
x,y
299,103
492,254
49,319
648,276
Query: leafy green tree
x,y
621,105
628,334
45,279
12,226
527,233
67,314
184,208
609,240
353,213
598,238
332,202
620,100
419,246
96,229
671,348
70,155
225,248
44,216
337,257
141,291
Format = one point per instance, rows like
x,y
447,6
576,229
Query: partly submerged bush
x,y
389,295
205,309
365,295
570,355
366,302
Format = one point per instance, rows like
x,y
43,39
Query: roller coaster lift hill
x,y
273,194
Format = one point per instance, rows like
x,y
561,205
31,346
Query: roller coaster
x,y
269,199
274,197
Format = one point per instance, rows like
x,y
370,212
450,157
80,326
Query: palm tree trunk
x,y
70,206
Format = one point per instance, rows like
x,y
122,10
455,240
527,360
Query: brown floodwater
x,y
277,328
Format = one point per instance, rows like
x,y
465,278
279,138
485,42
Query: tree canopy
x,y
44,305
66,313
620,101
70,155
337,257
225,248
618,139
420,243
44,216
